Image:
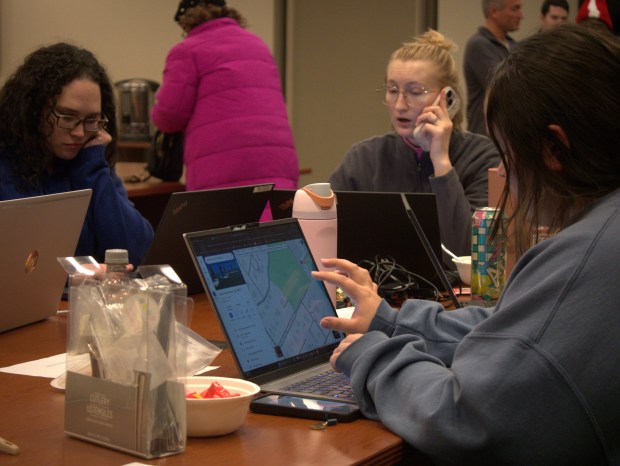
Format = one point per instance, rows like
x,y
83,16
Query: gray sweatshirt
x,y
385,163
534,381
483,52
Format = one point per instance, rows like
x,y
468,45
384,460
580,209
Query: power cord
x,y
397,284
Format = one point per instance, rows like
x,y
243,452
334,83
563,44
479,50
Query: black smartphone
x,y
309,408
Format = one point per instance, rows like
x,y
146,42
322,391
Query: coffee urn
x,y
136,97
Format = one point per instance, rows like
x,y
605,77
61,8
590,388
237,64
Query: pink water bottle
x,y
315,208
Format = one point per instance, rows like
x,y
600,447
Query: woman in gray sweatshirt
x,y
536,379
427,151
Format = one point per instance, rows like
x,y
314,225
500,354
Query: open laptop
x,y
36,231
201,210
259,280
375,224
432,256
385,227
281,203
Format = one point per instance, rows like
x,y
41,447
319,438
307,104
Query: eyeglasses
x,y
91,125
388,94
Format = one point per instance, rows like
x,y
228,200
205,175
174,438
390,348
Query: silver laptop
x,y
35,232
259,280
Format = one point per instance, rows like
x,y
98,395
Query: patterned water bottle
x,y
488,258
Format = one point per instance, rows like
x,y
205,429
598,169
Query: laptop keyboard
x,y
328,383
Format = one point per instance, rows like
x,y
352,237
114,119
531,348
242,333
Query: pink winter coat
x,y
222,88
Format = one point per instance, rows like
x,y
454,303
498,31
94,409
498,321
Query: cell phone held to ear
x,y
308,408
453,104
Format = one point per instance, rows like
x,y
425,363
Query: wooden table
x,y
149,187
32,416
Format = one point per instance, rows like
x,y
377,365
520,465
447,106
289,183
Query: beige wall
x,y
131,37
336,52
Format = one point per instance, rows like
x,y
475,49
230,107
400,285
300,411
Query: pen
x,y
8,447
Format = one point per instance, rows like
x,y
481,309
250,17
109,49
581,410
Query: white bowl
x,y
217,416
464,268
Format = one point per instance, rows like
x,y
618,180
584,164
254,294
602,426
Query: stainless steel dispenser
x,y
136,97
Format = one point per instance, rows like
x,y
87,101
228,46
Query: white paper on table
x,y
50,367
54,366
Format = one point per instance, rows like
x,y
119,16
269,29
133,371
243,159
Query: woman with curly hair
x,y
444,159
57,134
221,87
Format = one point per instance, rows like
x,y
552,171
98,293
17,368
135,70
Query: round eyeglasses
x,y
91,125
414,95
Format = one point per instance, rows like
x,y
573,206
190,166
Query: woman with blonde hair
x,y
442,158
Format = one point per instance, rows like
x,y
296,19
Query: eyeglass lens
x,y
72,122
413,94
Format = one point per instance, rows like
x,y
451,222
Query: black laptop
x,y
281,203
259,280
447,286
375,224
201,210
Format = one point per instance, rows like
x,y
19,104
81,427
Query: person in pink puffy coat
x,y
221,88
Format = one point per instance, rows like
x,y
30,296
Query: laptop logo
x,y
262,188
244,226
179,208
286,205
31,261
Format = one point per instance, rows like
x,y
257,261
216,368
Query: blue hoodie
x,y
111,220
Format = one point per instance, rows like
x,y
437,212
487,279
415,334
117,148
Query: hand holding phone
x,y
453,104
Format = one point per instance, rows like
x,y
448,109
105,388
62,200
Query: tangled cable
x,y
397,284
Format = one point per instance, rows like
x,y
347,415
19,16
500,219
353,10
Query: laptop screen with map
x,y
259,280
201,210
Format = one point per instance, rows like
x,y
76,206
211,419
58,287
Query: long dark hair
x,y
32,90
568,77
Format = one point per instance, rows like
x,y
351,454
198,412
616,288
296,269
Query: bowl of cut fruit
x,y
217,405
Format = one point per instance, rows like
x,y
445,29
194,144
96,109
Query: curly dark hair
x,y
197,15
31,92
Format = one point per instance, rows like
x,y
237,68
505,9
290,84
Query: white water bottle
x,y
315,208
